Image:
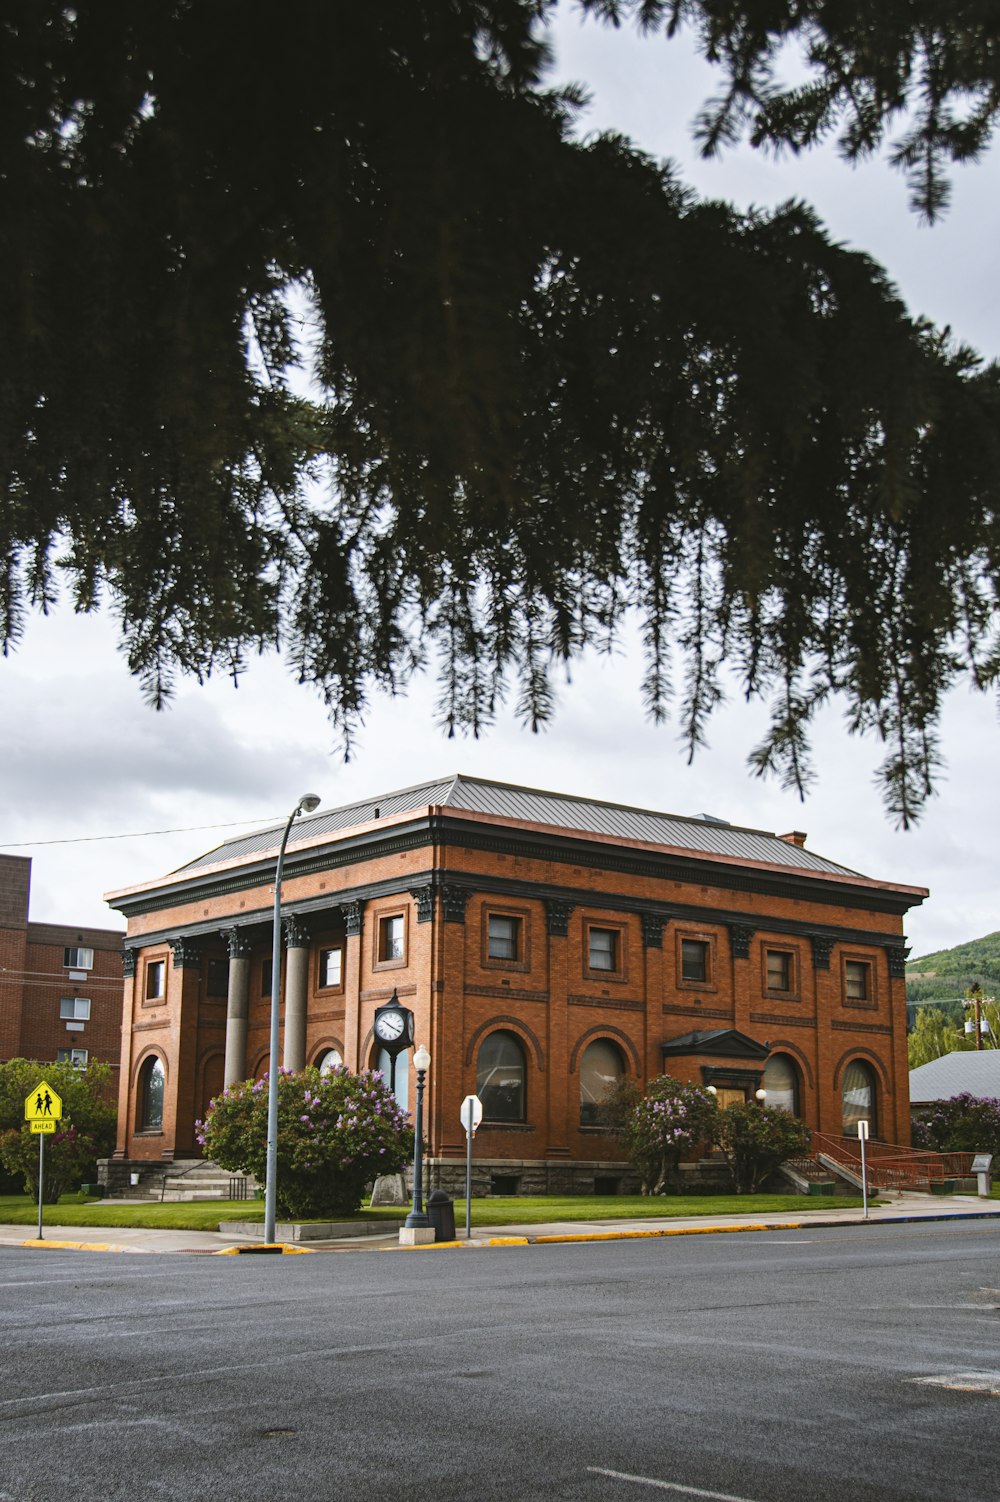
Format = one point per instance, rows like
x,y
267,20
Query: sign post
x,y
471,1114
863,1138
42,1109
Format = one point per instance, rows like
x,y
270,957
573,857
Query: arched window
x,y
781,1082
151,1082
396,1077
331,1059
500,1078
858,1098
601,1067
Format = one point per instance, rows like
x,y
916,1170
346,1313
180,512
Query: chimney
x,y
794,837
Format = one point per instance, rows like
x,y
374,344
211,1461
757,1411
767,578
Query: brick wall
x,y
34,980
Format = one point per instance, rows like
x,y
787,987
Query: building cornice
x,y
447,827
460,880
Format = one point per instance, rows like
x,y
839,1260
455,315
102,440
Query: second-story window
x,y
604,949
779,970
392,938
331,966
503,937
857,980
694,960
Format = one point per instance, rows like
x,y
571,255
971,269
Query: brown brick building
x,y
546,945
60,984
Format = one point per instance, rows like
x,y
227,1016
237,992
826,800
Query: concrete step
x,y
190,1196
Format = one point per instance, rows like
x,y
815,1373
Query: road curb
x,y
661,1232
75,1246
266,1248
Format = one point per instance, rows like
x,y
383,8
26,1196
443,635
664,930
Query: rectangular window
x,y
604,948
391,938
75,1056
331,967
265,976
694,960
503,937
78,959
857,980
217,979
74,1008
779,970
156,980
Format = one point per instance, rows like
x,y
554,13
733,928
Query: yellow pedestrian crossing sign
x,y
42,1105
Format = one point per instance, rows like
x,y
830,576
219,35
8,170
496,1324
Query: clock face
x,y
390,1026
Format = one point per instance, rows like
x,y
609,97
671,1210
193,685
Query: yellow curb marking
x,y
285,1251
790,1225
442,1246
78,1246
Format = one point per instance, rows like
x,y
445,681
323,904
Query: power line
x,y
139,834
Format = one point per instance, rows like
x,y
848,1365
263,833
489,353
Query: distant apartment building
x,y
60,983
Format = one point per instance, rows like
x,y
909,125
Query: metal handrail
x,y
891,1166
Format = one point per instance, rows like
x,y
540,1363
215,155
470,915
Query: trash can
x,y
441,1214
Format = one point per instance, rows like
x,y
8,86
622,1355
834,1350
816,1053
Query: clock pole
x,y
417,1217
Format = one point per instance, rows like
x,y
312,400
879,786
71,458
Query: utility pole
x,y
974,1003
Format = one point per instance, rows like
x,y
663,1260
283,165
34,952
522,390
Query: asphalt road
x,y
772,1367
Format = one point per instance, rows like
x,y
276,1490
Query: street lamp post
x,y
417,1216
305,805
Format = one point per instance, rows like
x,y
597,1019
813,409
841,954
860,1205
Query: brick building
x,y
60,984
547,945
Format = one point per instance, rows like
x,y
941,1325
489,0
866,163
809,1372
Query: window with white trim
x,y
504,936
391,938
78,959
604,949
331,967
74,1008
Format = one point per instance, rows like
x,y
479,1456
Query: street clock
x,y
393,1026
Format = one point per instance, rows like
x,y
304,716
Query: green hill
x,y
945,976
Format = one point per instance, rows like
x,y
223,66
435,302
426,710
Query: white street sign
x,y
471,1112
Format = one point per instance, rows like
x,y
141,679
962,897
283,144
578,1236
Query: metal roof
x,y
973,1070
702,836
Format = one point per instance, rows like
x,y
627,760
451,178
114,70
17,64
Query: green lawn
x,y
19,1210
515,1211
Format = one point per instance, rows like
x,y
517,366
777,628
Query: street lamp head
x,y
761,1094
422,1058
308,802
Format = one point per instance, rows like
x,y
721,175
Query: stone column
x,y
296,979
237,1008
353,912
183,997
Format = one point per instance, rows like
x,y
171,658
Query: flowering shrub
x,y
965,1124
69,1156
337,1131
756,1140
669,1121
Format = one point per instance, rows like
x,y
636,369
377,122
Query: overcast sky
x,y
84,759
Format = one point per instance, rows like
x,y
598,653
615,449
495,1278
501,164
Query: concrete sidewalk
x,y
905,1208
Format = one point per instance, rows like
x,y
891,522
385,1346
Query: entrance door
x,y
729,1095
